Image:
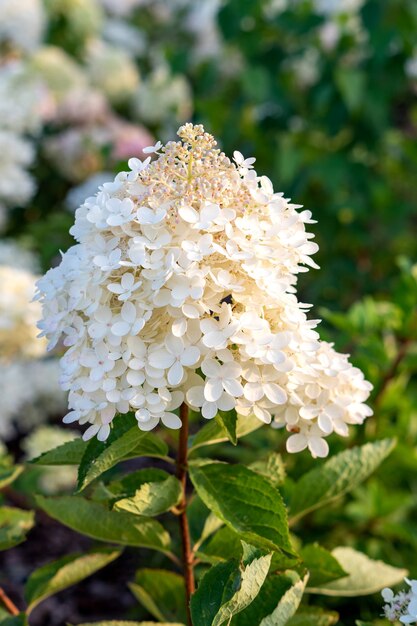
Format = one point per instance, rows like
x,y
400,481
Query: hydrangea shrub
x,y
177,310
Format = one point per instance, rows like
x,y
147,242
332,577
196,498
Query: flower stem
x,y
187,554
7,603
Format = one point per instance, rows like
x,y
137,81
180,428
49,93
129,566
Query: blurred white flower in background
x,y
163,98
22,24
18,315
112,70
122,8
29,386
125,36
17,257
21,111
59,71
21,98
337,7
84,18
52,479
201,21
16,184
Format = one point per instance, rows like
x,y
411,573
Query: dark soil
x,y
104,595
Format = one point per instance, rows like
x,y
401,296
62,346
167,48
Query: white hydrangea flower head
x,y
181,288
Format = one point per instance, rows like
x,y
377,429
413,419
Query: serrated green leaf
x,y
321,564
272,467
213,432
14,526
337,476
313,616
125,442
226,589
228,422
364,576
65,572
161,592
245,501
9,474
266,602
152,498
69,453
94,520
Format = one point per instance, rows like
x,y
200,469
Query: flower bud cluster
x,y
182,289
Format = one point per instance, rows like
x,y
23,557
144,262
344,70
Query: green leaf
x,y
17,620
162,593
130,483
94,520
287,605
364,576
54,577
227,589
245,501
267,601
213,432
321,564
227,421
152,498
313,616
118,623
351,84
125,442
9,474
14,526
337,476
70,453
202,522
272,467
222,546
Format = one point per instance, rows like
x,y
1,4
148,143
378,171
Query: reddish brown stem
x,y
7,603
182,469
